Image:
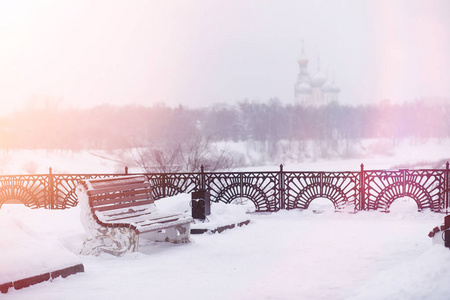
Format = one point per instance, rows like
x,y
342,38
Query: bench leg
x,y
178,234
181,234
115,241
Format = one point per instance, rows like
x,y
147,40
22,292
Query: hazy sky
x,y
203,52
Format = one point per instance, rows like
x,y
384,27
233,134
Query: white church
x,y
315,90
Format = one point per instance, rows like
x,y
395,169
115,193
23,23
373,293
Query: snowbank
x,y
24,252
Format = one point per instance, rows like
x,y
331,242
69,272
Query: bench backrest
x,y
118,192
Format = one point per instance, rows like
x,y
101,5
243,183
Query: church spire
x,y
318,63
303,61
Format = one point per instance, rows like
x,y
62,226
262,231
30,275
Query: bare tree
x,y
186,156
200,151
158,158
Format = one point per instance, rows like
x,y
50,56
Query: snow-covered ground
x,y
283,255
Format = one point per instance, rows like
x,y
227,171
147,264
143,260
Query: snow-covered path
x,y
284,255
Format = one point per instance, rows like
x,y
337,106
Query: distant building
x,y
315,90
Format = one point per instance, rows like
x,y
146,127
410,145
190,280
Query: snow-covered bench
x,y
116,211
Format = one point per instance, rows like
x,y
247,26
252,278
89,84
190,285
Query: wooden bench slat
x,y
130,211
126,215
111,185
98,182
157,220
160,226
144,217
131,199
142,192
123,205
159,217
111,189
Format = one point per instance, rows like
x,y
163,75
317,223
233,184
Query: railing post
x,y
163,178
241,184
126,170
362,188
446,187
202,178
281,186
51,195
321,184
404,182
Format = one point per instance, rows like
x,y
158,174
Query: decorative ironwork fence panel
x,y
261,188
426,187
269,191
32,190
303,187
171,184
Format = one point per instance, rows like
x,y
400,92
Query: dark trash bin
x,y
447,231
201,204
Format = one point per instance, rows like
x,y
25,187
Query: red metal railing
x,y
269,191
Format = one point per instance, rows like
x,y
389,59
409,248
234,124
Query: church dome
x,y
303,87
318,79
330,87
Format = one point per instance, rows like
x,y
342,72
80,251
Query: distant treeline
x,y
113,127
